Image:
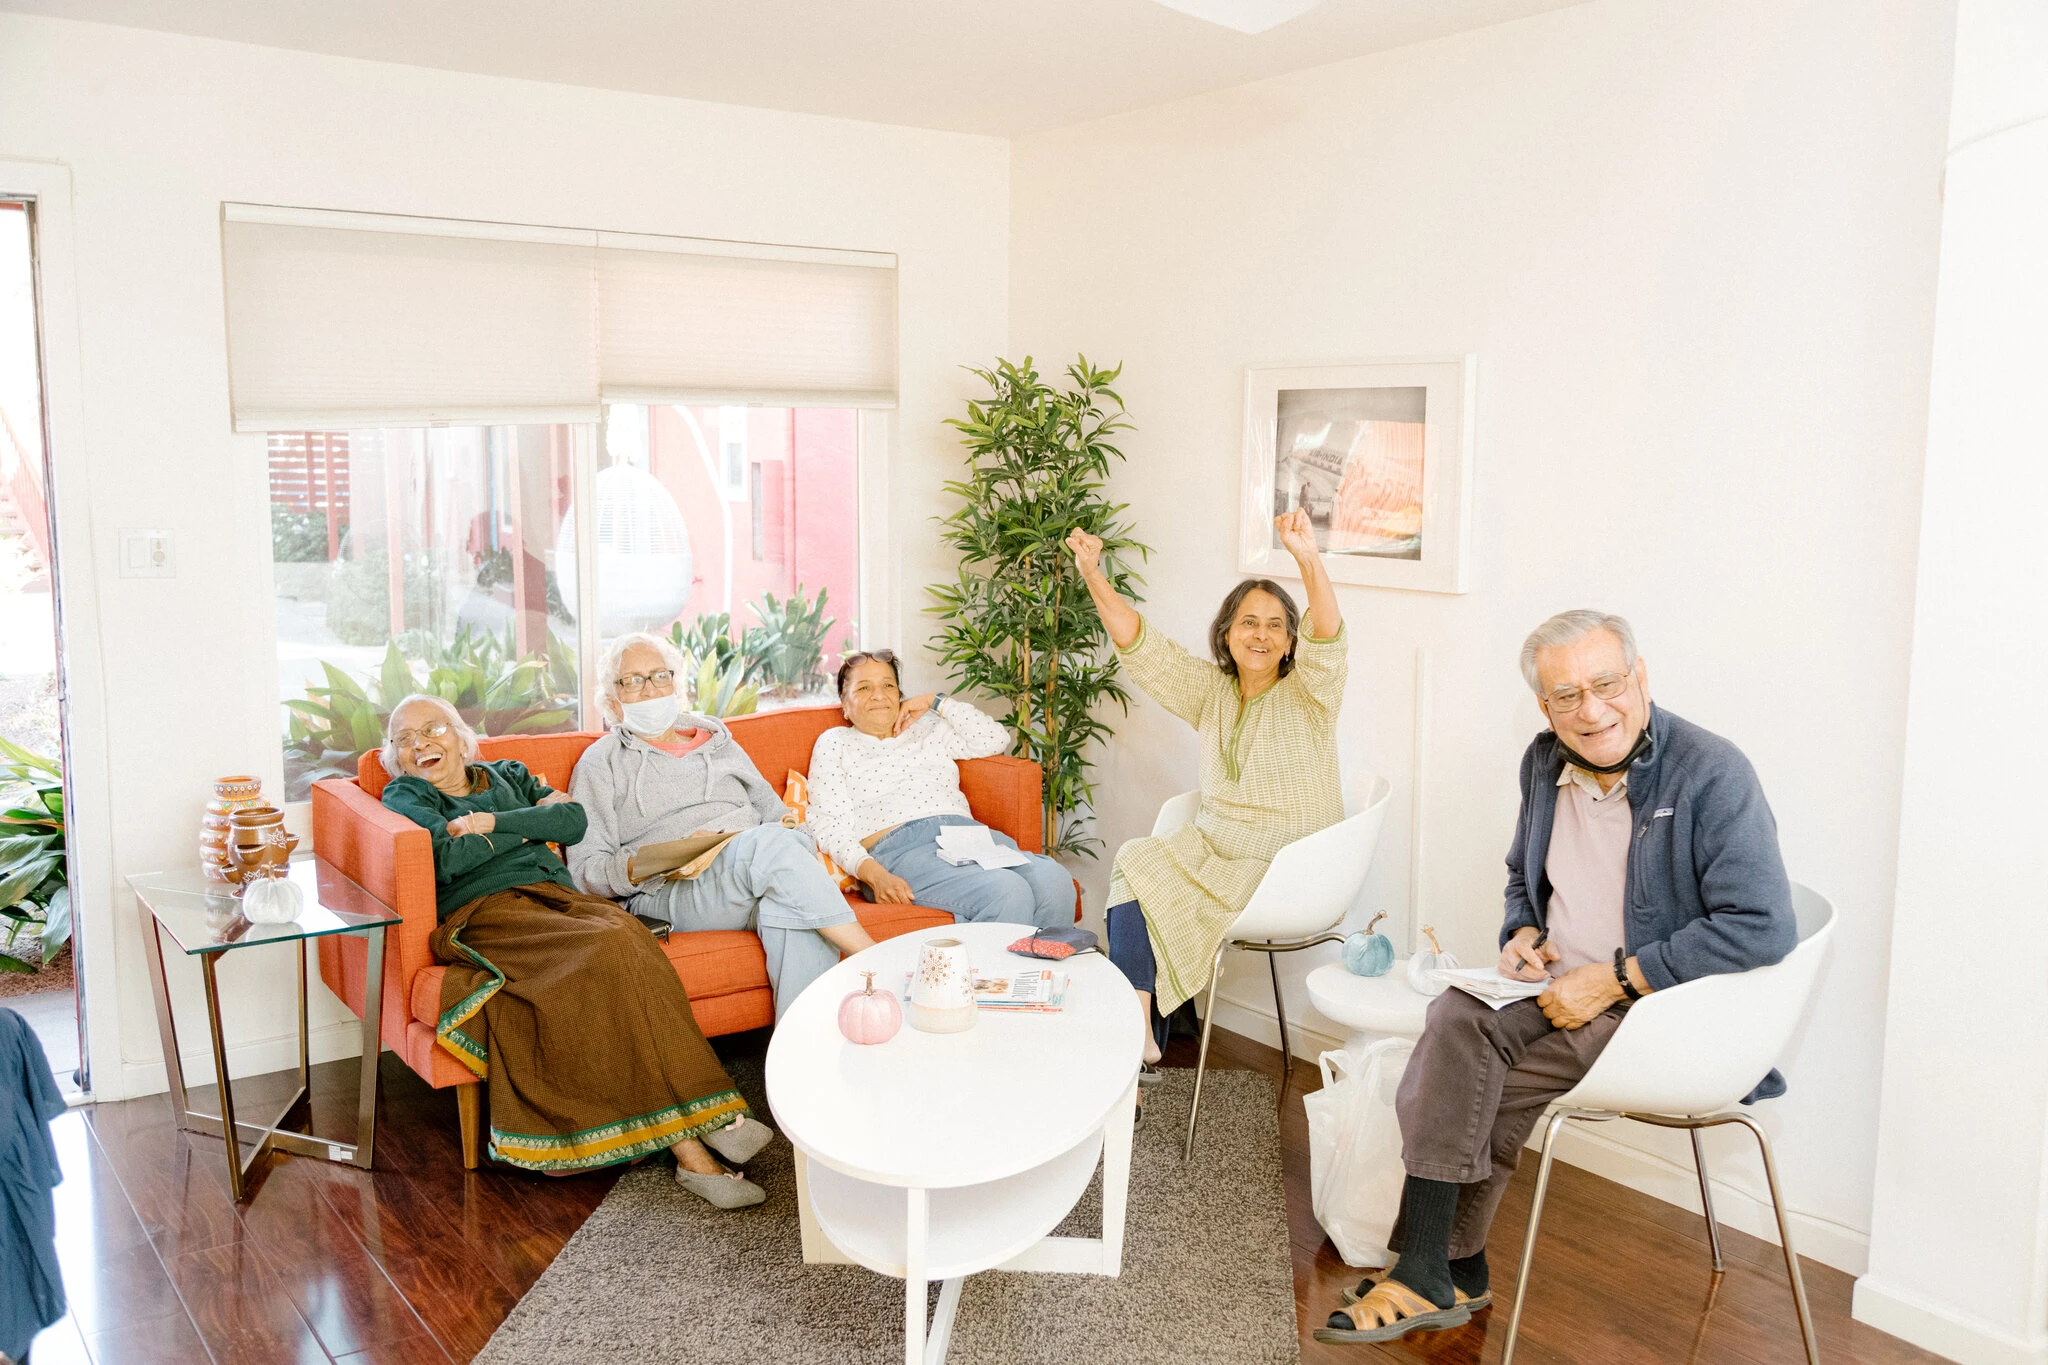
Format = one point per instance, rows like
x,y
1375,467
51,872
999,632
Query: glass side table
x,y
204,921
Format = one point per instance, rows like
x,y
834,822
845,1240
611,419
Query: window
x,y
447,560
760,592
420,561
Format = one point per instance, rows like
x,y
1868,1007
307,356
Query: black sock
x,y
1428,1209
1468,1273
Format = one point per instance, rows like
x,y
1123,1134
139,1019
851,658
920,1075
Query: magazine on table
x,y
1034,990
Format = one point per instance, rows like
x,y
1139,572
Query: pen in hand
x,y
1542,937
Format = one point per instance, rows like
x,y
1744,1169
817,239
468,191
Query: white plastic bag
x,y
1354,1149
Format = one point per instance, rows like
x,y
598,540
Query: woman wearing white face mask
x,y
661,774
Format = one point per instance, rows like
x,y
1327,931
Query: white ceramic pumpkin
x,y
271,900
1422,966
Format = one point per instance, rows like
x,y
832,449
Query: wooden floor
x,y
420,1261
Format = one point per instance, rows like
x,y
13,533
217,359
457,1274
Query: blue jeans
x,y
1040,893
1130,948
768,879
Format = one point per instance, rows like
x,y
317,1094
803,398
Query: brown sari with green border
x,y
569,1010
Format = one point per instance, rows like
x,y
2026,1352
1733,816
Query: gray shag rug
x,y
656,1275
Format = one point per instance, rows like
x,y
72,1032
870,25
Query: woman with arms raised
x,y
1266,713
562,1003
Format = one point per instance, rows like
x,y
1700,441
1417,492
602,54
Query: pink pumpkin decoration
x,y
869,1015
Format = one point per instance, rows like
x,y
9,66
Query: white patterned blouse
x,y
861,785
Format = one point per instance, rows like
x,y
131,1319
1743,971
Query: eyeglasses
x,y
405,739
634,682
1606,687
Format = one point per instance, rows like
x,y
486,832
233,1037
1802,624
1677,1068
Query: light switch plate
x,y
147,554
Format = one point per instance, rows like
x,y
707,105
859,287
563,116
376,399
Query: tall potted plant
x,y
1018,624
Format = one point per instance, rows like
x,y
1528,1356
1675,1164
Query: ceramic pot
x,y
230,794
272,900
942,990
258,844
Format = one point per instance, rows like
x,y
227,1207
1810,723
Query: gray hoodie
x,y
634,794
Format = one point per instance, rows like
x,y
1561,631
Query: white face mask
x,y
652,716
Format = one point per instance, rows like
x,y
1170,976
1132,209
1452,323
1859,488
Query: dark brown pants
x,y
1474,1088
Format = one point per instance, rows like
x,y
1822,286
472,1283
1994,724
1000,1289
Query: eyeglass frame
x,y
409,739
1552,706
628,683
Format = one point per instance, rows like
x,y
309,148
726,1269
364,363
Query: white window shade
x,y
332,327
340,320
684,325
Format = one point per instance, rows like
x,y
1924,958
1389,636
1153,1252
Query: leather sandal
x,y
1372,1278
1390,1310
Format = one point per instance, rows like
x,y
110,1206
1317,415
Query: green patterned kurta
x,y
1269,776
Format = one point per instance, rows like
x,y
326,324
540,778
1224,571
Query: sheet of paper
x,y
1487,984
963,844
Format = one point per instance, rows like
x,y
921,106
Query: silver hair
x,y
1568,627
447,710
608,669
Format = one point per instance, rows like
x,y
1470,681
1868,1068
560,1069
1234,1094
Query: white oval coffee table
x,y
934,1156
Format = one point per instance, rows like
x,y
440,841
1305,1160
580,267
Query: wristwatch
x,y
1628,987
938,700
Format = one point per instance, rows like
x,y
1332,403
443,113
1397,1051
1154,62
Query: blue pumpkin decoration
x,y
1368,953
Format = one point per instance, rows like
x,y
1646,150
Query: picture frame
x,y
1380,452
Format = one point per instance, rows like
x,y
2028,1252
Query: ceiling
x,y
978,66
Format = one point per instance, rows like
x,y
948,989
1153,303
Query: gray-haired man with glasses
x,y
1645,855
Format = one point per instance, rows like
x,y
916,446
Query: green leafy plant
x,y
708,637
359,593
788,648
1018,624
722,692
34,891
298,537
478,671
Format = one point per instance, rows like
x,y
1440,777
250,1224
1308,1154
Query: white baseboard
x,y
1845,1248
1941,1330
324,1043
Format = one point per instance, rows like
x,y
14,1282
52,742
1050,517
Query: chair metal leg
x,y
1280,1009
1699,1161
1763,1143
1550,1131
1202,1056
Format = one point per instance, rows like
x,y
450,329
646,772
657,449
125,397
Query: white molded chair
x,y
1684,1058
1306,892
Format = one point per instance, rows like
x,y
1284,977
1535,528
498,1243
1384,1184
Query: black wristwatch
x,y
1621,974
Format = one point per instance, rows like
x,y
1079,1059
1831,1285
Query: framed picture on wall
x,y
1379,453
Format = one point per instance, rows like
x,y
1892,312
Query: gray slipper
x,y
1148,1073
721,1191
741,1140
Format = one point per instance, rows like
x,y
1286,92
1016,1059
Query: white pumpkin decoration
x,y
272,900
1422,966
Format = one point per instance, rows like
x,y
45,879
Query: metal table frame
x,y
273,1135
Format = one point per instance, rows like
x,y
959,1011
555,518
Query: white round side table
x,y
1370,1006
935,1156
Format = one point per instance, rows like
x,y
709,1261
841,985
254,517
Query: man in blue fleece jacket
x,y
1645,855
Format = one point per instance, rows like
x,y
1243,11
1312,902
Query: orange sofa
x,y
724,971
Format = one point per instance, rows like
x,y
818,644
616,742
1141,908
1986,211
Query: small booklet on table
x,y
1032,990
1487,984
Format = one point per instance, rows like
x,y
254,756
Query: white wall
x,y
1959,1239
1694,247
158,130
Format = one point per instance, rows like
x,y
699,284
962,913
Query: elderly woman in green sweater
x,y
560,1002
1266,713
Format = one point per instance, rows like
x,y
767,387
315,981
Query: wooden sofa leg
x,y
469,1104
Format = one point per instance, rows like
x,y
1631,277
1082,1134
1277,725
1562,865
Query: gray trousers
x,y
1474,1088
768,879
